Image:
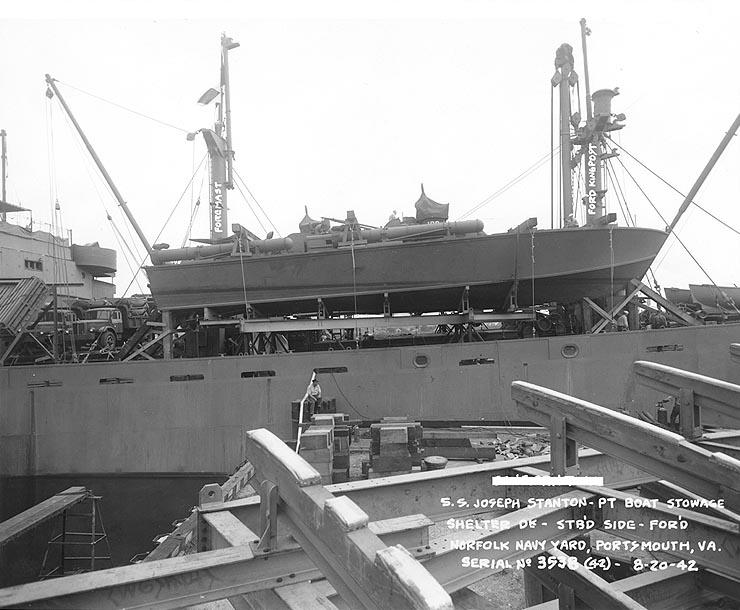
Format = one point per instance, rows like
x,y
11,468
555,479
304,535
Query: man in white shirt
x,y
313,392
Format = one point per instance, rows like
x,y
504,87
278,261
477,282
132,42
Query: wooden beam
x,y
670,307
586,585
651,448
141,350
600,326
719,397
661,590
599,311
43,511
334,532
227,530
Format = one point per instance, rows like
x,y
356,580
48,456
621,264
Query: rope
x,y
349,403
136,112
669,185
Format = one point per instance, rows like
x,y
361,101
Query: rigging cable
x,y
680,241
123,243
617,188
194,209
532,168
581,217
552,158
354,277
244,184
619,193
610,178
250,206
55,243
136,112
174,208
534,316
669,185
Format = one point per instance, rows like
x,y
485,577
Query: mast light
x,y
229,44
208,96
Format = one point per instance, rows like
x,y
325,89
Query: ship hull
x,y
560,265
191,415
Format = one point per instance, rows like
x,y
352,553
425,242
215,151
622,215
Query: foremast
x,y
220,153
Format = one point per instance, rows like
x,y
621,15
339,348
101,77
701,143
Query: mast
x,y
585,31
564,78
227,44
588,138
4,164
51,83
220,153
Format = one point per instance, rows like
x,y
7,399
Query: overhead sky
x,y
351,106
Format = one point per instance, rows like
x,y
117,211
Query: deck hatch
x,y
252,374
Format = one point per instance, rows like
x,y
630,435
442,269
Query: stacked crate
x,y
342,440
339,422
394,447
317,448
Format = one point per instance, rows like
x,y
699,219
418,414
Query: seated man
x,y
313,397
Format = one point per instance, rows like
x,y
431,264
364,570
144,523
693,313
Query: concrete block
x,y
384,464
395,450
325,428
323,468
393,435
315,438
340,475
341,461
316,455
325,419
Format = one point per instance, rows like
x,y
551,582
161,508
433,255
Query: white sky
x,y
344,106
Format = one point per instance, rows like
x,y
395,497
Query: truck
x,y
106,325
